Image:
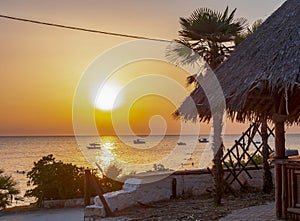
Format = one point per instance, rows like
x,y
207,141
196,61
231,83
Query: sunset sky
x,y
41,66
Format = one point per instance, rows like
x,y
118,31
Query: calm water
x,y
19,153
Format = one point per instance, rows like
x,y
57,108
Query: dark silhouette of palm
x,y
211,35
7,190
249,31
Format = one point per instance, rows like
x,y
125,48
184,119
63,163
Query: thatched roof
x,y
262,76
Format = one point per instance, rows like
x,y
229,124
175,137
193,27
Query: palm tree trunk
x,y
218,177
217,168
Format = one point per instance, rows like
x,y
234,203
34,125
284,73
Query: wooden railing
x,y
290,200
238,158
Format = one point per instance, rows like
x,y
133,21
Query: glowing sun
x,y
108,97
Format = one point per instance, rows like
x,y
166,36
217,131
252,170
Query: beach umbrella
x,y
261,80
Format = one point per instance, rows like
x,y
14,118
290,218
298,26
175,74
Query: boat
x,y
21,198
291,152
288,153
181,143
94,146
203,140
139,141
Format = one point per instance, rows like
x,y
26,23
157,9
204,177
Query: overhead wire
x,y
82,29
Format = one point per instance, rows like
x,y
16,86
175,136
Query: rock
x,y
94,212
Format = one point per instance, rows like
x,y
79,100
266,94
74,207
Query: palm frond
x,y
207,24
231,16
256,25
225,13
249,31
180,52
191,79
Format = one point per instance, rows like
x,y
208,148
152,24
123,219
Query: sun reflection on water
x,y
106,156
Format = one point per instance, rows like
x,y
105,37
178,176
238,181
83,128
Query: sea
x,y
19,153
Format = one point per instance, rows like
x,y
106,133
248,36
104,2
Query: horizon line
x,y
94,135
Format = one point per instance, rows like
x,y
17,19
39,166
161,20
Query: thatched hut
x,y
261,80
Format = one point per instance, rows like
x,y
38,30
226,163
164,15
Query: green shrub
x,y
257,158
113,171
159,168
110,180
107,185
7,190
227,164
55,180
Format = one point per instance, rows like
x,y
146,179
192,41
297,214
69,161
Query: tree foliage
x,y
210,34
250,30
110,180
113,172
7,190
55,180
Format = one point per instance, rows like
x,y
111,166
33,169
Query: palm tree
x,y
7,190
211,35
249,31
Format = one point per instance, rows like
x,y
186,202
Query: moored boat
x,y
94,146
139,141
181,143
203,140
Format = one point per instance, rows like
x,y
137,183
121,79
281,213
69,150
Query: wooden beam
x,y
279,118
279,140
100,194
284,192
278,190
279,154
87,196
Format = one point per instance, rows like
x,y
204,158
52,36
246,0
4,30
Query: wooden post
x,y
279,140
174,188
289,186
284,192
279,118
279,154
100,194
87,196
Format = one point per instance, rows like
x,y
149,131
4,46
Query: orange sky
x,y
41,66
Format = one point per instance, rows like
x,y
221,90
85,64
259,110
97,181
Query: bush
x,y
107,185
257,158
159,168
113,172
55,180
7,190
110,180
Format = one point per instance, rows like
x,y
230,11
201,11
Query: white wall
x,y
140,189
